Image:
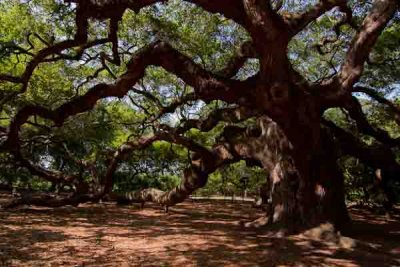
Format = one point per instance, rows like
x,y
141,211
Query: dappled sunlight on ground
x,y
192,234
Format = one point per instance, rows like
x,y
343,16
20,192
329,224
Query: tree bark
x,y
302,190
303,197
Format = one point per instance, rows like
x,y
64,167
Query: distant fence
x,y
224,198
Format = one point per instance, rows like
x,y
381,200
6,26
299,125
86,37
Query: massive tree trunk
x,y
307,195
321,187
306,186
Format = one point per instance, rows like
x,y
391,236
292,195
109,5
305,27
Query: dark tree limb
x,y
297,22
113,36
231,115
231,9
395,109
356,113
10,78
56,177
264,24
204,161
245,52
377,157
206,85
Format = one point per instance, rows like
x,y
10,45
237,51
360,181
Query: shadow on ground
x,y
193,234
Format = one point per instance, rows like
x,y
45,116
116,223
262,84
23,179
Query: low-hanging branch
x,y
236,143
204,162
196,172
49,175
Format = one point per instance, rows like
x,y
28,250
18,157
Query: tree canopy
x,y
122,98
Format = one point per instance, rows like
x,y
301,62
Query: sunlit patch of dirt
x,y
192,234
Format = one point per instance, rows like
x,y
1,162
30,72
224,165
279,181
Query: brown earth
x,y
205,233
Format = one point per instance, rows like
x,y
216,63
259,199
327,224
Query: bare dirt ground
x,y
192,234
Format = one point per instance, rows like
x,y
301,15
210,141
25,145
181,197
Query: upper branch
x,y
263,23
297,22
362,44
85,10
231,9
206,85
245,52
231,115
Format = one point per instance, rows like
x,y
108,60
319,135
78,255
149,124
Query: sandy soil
x,y
192,234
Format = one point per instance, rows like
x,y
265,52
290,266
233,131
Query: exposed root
x,y
257,223
326,233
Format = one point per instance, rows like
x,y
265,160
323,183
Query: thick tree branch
x,y
231,9
356,113
238,143
206,85
165,134
246,51
264,24
376,156
10,78
297,22
51,176
362,44
204,162
230,115
395,109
